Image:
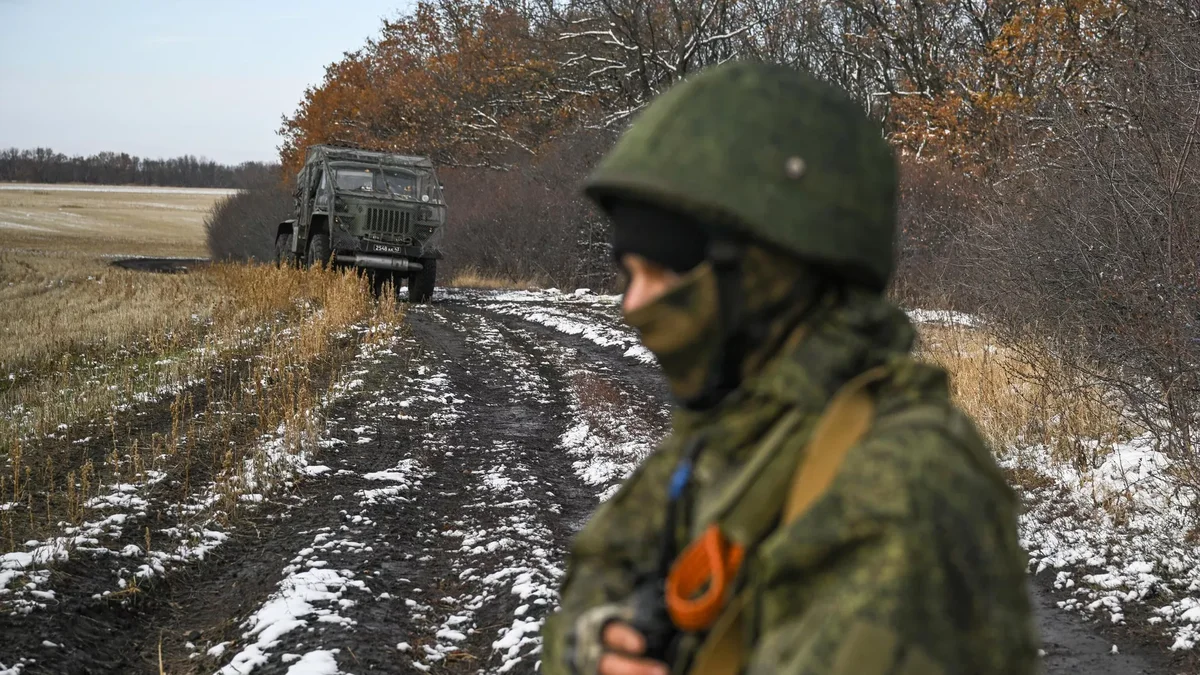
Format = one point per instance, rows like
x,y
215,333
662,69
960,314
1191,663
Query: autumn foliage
x,y
469,80
967,90
459,80
1017,60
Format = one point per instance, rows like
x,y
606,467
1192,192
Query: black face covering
x,y
672,240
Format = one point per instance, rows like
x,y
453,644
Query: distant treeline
x,y
43,165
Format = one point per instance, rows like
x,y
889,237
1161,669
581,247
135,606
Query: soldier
x,y
820,505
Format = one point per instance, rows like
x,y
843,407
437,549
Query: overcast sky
x,y
168,77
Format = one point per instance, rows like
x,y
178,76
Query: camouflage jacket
x,y
911,556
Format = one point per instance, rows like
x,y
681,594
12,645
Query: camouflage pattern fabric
x,y
908,564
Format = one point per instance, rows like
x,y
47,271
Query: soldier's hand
x,y
623,646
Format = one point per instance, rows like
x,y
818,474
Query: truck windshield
x,y
372,179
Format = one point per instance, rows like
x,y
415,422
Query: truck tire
x,y
320,254
379,281
283,257
420,284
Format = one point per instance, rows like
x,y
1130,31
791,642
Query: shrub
x,y
242,226
529,220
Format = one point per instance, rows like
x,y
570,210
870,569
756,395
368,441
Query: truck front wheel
x,y
320,254
420,283
283,257
380,280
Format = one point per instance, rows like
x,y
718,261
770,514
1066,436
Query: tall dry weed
x,y
252,366
474,277
1021,394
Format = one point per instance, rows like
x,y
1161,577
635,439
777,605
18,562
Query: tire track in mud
x,y
447,507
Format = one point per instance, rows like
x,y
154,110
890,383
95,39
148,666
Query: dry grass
x,y
108,376
598,400
164,330
189,402
1021,395
473,277
53,303
58,294
161,222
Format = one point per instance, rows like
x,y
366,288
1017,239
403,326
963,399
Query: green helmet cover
x,y
768,151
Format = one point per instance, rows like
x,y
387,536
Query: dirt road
x,y
429,534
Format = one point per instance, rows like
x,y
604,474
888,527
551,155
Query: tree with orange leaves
x,y
470,80
463,81
961,77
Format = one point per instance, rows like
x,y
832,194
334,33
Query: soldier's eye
x,y
623,279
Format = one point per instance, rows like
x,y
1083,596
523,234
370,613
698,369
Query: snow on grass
x,y
570,324
401,479
602,460
24,575
595,318
943,316
192,529
319,662
1120,535
16,668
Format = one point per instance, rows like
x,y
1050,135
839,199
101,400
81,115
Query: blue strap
x,y
679,479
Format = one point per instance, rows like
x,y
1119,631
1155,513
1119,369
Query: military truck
x,y
380,212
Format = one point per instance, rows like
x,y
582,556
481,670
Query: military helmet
x,y
768,151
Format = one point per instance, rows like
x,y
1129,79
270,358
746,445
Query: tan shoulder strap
x,y
841,426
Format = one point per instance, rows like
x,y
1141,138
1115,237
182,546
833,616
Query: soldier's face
x,y
645,281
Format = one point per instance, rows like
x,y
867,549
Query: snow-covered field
x,y
184,533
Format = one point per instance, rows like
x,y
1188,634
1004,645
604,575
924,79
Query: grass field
x,y
57,291
105,220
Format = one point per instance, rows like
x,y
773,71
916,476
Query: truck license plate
x,y
382,248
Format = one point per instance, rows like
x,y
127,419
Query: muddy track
x,y
428,536
441,522
161,265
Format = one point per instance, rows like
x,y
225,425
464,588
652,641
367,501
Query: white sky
x,y
169,77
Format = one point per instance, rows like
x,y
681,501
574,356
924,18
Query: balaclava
x,y
736,302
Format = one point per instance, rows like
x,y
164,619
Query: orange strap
x,y
699,579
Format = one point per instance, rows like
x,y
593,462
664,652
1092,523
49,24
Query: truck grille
x,y
389,223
